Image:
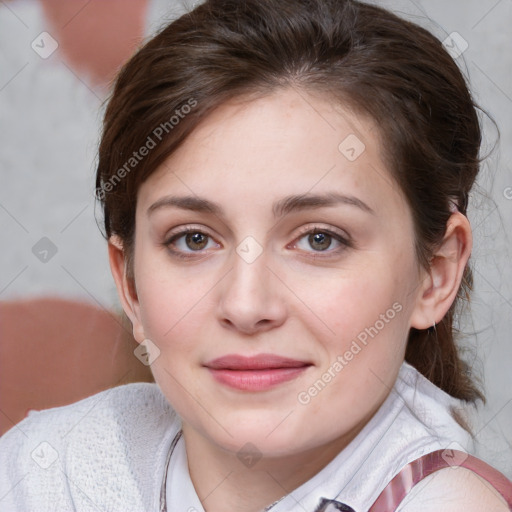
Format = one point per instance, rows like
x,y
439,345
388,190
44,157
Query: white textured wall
x,y
49,125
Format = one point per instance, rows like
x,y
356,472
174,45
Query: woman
x,y
284,187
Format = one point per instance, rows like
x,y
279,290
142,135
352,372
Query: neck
x,y
224,484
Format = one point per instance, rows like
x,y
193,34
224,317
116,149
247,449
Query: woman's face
x,y
299,255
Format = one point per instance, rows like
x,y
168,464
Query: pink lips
x,y
256,373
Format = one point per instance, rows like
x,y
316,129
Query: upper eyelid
x,y
187,228
316,227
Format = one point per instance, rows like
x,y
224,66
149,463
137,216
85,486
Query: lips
x,y
259,362
256,373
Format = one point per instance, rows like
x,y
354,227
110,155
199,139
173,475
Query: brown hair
x,y
360,55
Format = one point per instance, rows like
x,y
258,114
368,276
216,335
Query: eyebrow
x,y
280,208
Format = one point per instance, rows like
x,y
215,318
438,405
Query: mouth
x,y
256,373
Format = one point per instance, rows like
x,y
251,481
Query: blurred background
x,y
61,333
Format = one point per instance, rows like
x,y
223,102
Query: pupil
x,y
320,241
196,240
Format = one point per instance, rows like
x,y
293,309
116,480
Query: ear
x,y
441,282
125,287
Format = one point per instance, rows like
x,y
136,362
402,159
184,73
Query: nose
x,y
252,298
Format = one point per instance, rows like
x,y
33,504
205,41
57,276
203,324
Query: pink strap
x,y
410,475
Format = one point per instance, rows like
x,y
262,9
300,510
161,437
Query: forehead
x,y
289,142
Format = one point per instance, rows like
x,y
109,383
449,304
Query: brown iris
x,y
196,241
319,241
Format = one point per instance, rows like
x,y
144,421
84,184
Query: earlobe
x,y
442,280
125,287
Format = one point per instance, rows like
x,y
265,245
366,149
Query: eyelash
x,y
346,242
183,232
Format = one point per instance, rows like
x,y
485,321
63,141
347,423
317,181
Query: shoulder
x,y
126,404
431,412
454,489
86,443
122,412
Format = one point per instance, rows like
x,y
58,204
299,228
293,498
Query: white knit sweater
x,y
108,453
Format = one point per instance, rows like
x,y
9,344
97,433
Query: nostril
x,y
249,328
227,323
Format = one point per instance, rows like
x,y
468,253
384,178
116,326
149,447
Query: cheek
x,y
349,305
159,310
169,297
166,310
370,320
171,311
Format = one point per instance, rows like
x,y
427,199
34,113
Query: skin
x,y
293,300
455,489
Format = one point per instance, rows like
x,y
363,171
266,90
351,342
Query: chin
x,y
264,441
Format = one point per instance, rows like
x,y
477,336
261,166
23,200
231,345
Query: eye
x,y
321,240
189,241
